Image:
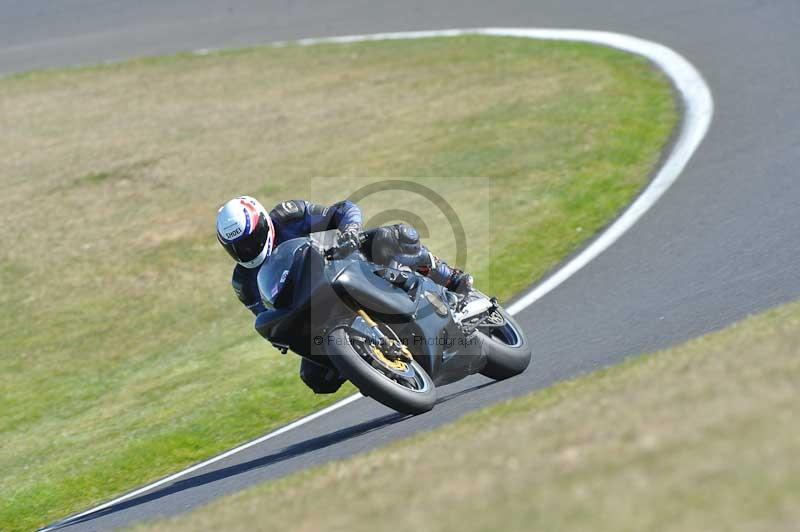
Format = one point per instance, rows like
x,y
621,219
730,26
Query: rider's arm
x,y
246,287
343,216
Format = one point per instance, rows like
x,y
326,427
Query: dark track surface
x,y
724,242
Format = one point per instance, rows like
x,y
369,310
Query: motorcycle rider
x,y
249,234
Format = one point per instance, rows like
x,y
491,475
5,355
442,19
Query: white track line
x,y
698,110
302,421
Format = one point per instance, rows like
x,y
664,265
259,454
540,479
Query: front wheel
x,y
402,386
507,350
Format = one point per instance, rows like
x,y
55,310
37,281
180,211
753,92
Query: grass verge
x,y
125,355
701,437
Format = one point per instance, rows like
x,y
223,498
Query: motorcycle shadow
x,y
289,452
471,389
202,479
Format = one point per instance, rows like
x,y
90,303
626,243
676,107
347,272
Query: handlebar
x,y
337,252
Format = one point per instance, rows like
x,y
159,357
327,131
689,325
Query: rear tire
x,y
508,352
373,383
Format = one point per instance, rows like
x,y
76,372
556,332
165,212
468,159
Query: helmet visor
x,y
248,247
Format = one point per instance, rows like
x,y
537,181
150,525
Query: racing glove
x,y
349,240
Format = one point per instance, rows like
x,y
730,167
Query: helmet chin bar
x,y
266,252
258,261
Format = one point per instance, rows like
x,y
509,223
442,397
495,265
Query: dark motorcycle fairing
x,y
319,294
357,283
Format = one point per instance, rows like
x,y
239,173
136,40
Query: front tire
x,y
508,352
417,396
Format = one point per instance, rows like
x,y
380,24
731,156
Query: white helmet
x,y
245,230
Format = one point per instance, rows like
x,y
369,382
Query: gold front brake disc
x,y
398,364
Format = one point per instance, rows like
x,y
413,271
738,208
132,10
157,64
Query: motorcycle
x,y
395,334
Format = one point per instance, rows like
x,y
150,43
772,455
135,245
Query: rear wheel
x,y
507,350
402,386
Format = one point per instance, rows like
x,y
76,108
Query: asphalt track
x,y
722,243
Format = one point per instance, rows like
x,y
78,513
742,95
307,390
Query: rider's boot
x,y
453,279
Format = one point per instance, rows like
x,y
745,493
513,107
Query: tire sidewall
x,y
371,383
504,361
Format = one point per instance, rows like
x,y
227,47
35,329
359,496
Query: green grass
x,y
125,355
704,436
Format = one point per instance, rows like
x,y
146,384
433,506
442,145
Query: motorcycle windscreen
x,y
274,273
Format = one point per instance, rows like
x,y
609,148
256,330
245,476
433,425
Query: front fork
x,y
391,348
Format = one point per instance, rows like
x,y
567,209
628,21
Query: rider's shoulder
x,y
288,210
